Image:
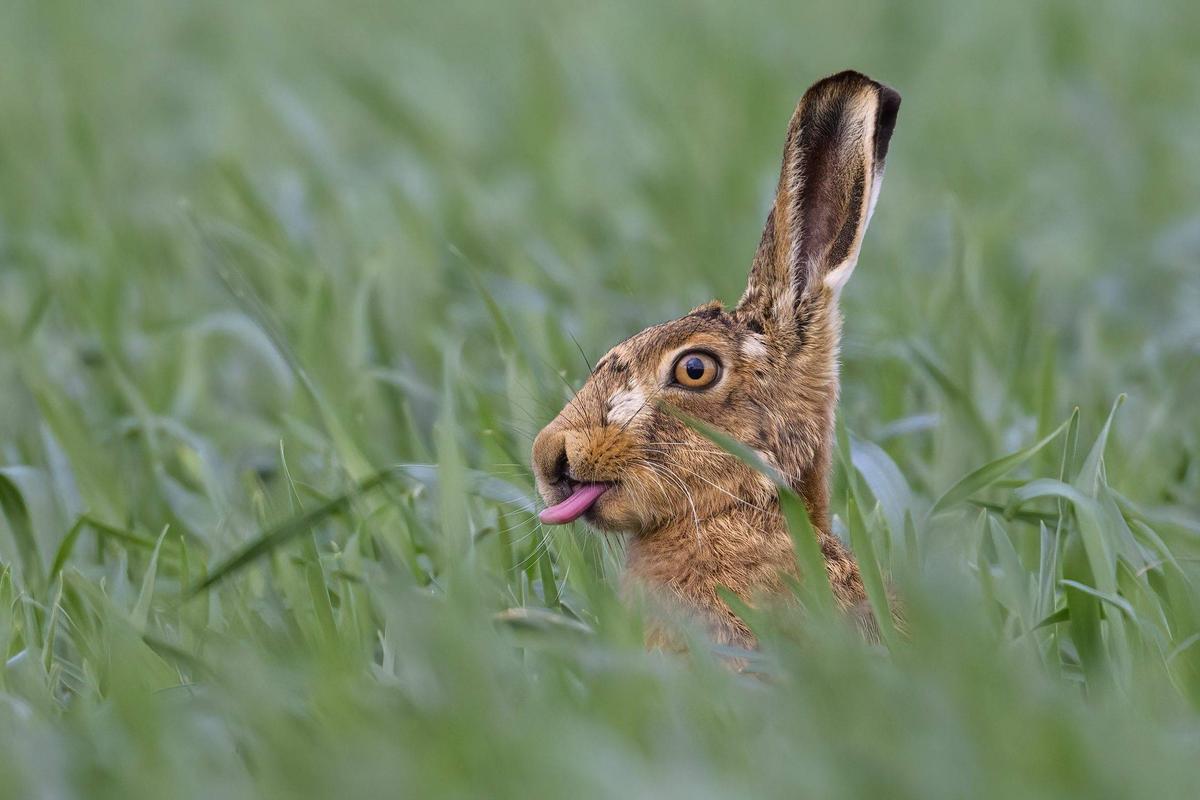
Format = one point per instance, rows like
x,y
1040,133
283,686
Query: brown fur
x,y
699,518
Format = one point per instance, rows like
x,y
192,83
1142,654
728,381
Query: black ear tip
x,y
845,81
850,81
889,103
885,120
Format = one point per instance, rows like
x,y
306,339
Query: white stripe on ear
x,y
836,278
875,186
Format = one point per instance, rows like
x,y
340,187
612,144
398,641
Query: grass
x,y
286,289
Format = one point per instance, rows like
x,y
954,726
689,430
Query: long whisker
x,y
653,474
537,526
546,407
591,370
518,526
571,400
793,478
722,489
667,473
543,545
579,419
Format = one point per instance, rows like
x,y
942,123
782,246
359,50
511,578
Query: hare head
x,y
764,372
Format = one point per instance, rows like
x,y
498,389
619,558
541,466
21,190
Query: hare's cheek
x,y
628,506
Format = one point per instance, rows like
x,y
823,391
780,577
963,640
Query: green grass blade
x,y
284,532
12,504
66,547
546,570
814,583
1095,540
1090,473
872,576
993,471
141,609
886,482
1111,598
804,538
51,637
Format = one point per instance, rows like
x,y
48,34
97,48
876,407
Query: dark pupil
x,y
695,368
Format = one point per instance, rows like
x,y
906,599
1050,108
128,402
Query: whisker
x,y
524,537
591,371
655,447
722,489
667,473
543,545
571,400
517,526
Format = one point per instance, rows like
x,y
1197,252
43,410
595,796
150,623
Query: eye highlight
x,y
695,369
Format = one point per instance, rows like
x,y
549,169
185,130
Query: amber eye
x,y
696,370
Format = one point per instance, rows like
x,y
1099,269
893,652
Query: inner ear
x,y
831,172
831,187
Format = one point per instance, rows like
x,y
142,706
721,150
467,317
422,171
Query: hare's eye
x,y
695,370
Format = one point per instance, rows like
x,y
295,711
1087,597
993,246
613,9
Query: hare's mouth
x,y
582,497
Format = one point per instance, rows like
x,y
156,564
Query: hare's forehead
x,y
641,353
631,369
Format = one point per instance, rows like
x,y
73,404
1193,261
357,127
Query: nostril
x,y
562,468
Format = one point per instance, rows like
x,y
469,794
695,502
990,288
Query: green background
x,y
300,281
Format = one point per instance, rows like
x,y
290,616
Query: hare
x,y
765,373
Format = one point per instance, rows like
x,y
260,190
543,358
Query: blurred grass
x,y
302,280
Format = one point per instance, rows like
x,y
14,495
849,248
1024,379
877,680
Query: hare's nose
x,y
562,468
550,460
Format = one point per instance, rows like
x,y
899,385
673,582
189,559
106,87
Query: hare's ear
x,y
832,170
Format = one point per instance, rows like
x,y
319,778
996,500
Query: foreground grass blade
x,y
67,546
885,480
52,628
796,516
872,575
815,577
12,504
141,609
727,443
993,471
1090,477
288,530
1088,512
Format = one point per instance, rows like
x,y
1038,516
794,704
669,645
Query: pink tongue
x,y
573,507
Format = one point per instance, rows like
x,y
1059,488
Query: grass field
x,y
286,289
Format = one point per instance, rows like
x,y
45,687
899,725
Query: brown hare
x,y
765,373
